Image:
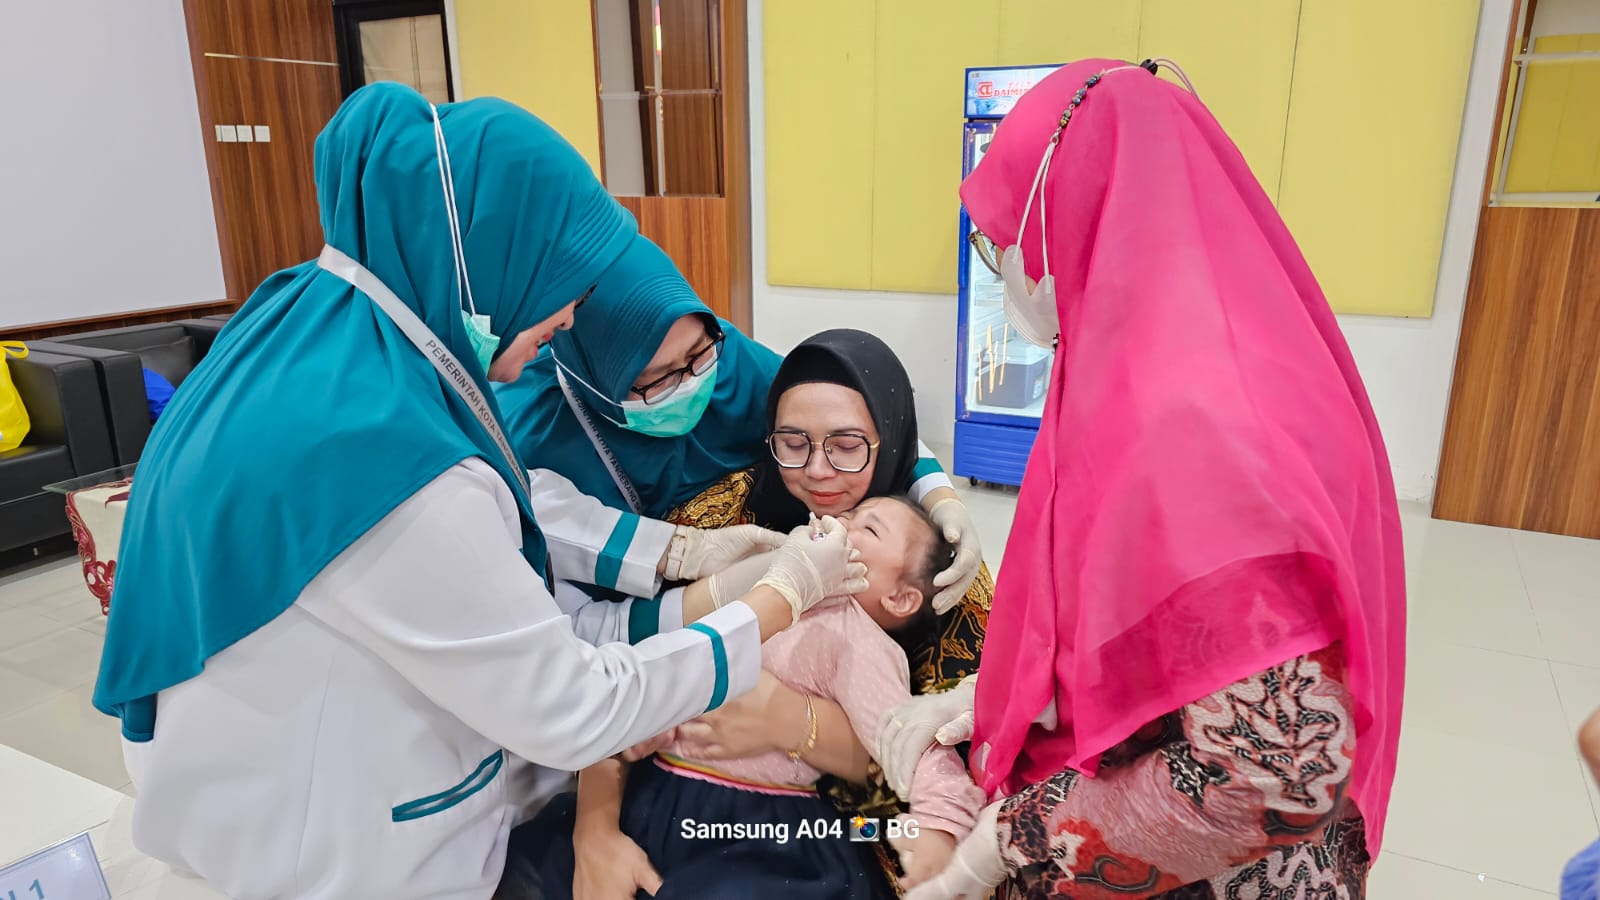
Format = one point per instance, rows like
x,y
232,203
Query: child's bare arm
x,y
600,795
1589,744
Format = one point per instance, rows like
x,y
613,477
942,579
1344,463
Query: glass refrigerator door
x,y
1003,377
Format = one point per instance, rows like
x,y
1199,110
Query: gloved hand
x,y
975,868
951,515
738,579
816,561
697,552
908,730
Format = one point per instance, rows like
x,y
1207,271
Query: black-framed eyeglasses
x,y
987,252
846,452
699,364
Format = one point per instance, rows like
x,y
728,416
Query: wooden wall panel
x,y
280,29
736,158
1522,444
709,236
269,189
121,320
264,194
692,230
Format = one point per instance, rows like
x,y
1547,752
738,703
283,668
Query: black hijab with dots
x,y
866,365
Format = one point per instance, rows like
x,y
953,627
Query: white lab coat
x,y
361,744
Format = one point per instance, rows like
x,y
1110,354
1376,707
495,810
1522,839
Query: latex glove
x,y
815,562
738,579
908,730
610,866
951,515
749,726
697,552
975,868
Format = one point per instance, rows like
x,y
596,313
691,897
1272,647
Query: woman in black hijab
x,y
841,401
811,404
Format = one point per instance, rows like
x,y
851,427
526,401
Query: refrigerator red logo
x,y
987,90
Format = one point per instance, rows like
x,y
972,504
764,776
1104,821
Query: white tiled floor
x,y
1491,799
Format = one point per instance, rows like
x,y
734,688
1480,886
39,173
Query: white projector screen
x,y
105,202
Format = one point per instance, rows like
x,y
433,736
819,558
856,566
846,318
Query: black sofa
x,y
120,356
67,438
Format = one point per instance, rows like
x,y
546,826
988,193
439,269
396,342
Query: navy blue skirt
x,y
708,841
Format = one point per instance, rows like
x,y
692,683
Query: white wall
x,y
107,203
1566,17
1407,363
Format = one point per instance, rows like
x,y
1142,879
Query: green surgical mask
x,y
484,342
677,415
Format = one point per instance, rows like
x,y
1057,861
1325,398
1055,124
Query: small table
x,y
96,505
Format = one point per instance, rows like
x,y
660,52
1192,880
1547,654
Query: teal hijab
x,y
622,326
313,416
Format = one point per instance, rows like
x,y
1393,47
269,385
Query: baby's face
x,y
890,538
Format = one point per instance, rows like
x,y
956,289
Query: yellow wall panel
x,y
819,65
917,142
1240,56
538,54
1374,119
1040,32
1558,122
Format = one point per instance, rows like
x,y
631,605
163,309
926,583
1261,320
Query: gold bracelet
x,y
811,736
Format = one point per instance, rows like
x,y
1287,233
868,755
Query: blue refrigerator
x,y
1000,378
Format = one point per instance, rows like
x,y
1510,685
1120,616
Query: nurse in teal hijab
x,y
332,598
680,435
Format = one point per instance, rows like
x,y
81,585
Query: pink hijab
x,y
1209,495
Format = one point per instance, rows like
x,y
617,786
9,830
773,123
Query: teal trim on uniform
x,y
719,662
644,620
438,803
608,567
926,466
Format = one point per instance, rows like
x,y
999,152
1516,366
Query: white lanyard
x,y
629,493
450,369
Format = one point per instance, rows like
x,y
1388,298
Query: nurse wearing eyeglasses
x,y
648,403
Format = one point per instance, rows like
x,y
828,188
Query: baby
x,y
739,827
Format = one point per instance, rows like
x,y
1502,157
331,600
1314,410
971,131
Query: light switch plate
x,y
263,134
227,134
245,134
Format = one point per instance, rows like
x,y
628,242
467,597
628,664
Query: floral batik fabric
x,y
1237,796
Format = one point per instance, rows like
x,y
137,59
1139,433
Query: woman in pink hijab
x,y
1192,679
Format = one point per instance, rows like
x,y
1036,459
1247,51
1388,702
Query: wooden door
x,y
271,67
1522,442
1522,445
690,153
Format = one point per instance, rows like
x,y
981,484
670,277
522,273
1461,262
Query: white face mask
x,y
1032,311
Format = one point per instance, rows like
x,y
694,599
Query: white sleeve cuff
x,y
637,577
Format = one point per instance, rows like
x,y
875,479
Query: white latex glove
x,y
816,561
738,579
908,730
695,553
975,868
951,515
